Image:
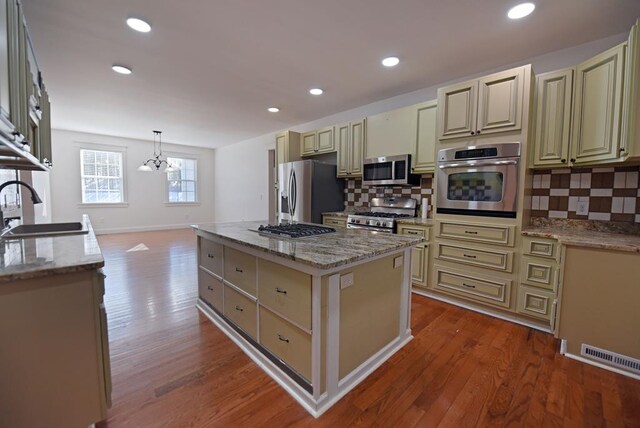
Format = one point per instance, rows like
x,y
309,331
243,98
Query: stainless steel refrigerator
x,y
306,189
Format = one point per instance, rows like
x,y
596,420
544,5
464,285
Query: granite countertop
x,y
412,220
339,213
581,233
35,257
327,251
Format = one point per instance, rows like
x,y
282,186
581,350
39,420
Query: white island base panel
x,y
315,407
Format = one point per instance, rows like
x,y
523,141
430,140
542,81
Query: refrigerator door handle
x,y
293,190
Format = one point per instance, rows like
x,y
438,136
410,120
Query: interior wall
x,y
241,171
145,193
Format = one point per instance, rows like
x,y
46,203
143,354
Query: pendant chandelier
x,y
156,161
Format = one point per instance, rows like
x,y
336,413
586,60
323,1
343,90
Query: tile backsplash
x,y
357,195
608,194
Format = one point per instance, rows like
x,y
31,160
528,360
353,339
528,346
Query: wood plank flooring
x,y
172,367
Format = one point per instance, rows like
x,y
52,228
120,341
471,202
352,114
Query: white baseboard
x,y
101,231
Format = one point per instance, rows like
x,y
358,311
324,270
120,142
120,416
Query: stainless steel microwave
x,y
389,171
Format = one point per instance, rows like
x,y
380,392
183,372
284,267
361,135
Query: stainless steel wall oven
x,y
479,180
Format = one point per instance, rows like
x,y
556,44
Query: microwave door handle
x,y
478,163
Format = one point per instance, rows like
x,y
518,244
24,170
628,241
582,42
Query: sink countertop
x,y
35,257
581,233
322,251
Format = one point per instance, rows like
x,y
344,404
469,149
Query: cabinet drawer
x,y
495,291
211,256
535,302
485,233
492,259
539,272
240,270
335,221
210,289
287,342
240,310
286,291
414,231
540,247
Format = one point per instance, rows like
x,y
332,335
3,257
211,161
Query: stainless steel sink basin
x,y
45,229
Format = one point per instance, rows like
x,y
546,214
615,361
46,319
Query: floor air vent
x,y
618,360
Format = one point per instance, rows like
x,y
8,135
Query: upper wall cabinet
x,y
391,133
318,142
630,137
350,139
287,147
488,105
598,108
552,125
22,115
424,155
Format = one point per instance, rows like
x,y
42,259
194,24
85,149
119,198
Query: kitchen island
x,y
318,313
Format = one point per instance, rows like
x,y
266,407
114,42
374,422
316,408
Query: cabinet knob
x,y
477,132
473,133
563,160
572,160
621,150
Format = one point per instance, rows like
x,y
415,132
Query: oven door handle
x,y
479,163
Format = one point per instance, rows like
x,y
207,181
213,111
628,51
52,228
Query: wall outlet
x,y
582,207
398,261
346,280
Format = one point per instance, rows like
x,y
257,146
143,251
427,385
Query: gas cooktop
x,y
380,214
295,230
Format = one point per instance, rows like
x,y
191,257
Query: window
x,y
181,184
102,177
10,194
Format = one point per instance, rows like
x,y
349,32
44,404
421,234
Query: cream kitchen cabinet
x,y
350,139
598,108
488,105
391,133
424,153
334,221
287,147
419,253
552,124
318,142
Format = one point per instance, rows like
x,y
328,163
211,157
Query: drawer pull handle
x,y
468,285
411,232
281,337
210,256
470,232
469,256
280,290
238,270
209,288
238,308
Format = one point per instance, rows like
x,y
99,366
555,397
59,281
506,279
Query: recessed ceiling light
x,y
316,91
139,25
391,61
121,69
273,109
521,10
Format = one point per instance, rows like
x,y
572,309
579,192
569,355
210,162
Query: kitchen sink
x,y
45,229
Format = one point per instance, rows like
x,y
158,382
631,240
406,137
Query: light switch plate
x,y
346,280
582,207
398,261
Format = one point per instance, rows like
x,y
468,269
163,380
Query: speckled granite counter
x,y
322,251
36,257
418,221
605,235
343,214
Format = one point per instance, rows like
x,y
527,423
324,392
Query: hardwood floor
x,y
171,367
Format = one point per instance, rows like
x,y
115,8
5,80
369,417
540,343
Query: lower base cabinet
x,y
491,290
536,303
210,289
241,310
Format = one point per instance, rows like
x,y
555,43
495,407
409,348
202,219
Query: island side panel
x,y
370,311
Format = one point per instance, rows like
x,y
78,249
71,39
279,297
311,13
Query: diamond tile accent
x,y
611,194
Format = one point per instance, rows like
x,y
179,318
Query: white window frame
x,y
122,150
196,175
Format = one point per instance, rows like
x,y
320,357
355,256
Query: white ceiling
x,y
209,69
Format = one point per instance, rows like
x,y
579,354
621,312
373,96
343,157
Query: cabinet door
x,y
13,36
598,102
5,107
357,141
553,118
629,144
500,101
457,113
344,146
324,140
391,133
308,143
282,149
425,151
419,265
46,154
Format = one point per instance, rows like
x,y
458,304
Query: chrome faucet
x,y
34,196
